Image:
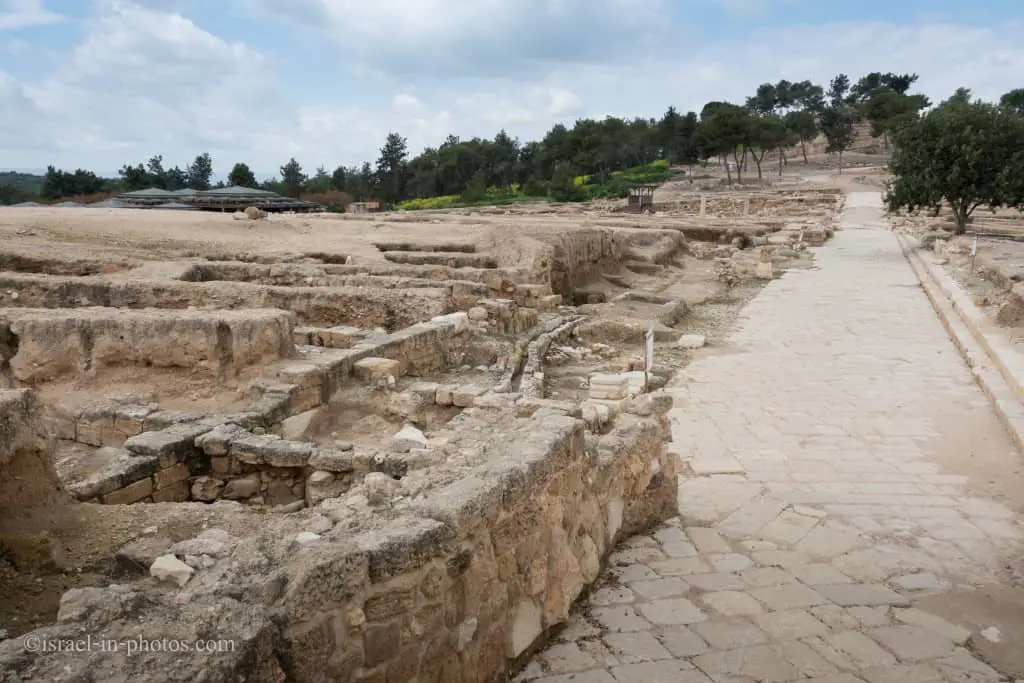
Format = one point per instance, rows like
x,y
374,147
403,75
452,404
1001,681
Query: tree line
x,y
592,158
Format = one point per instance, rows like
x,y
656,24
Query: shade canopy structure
x,y
233,198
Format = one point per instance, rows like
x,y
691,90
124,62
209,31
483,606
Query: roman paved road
x,y
842,497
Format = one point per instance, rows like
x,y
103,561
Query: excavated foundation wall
x,y
457,584
150,455
56,343
569,259
732,205
327,306
27,477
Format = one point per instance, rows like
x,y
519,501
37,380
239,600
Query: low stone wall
x,y
152,455
454,576
362,307
27,477
417,350
55,343
772,203
500,281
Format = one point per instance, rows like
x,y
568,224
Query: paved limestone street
x,y
842,521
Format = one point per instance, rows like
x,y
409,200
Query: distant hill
x,y
23,182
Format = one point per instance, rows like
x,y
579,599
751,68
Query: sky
x,y
99,83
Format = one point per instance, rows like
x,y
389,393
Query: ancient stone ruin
x,y
402,461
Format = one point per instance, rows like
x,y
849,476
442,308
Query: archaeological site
x,y
395,447
725,437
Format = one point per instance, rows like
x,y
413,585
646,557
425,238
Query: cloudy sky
x,y
97,83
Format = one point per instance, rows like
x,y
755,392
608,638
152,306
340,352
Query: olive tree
x,y
966,154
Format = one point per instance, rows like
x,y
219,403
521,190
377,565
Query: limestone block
x,y
321,485
242,488
671,313
464,396
407,438
691,341
374,369
172,570
132,493
296,426
444,395
172,445
526,628
217,441
207,489
609,386
271,450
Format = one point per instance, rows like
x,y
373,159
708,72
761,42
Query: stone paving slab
x,y
820,508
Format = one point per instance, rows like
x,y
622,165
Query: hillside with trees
x,y
777,124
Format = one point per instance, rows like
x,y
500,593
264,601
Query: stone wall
x,y
570,259
312,305
151,455
52,344
27,477
454,576
730,204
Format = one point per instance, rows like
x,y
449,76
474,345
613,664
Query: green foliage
x,y
838,123
392,171
200,171
966,154
1013,101
292,178
887,110
241,176
57,184
16,188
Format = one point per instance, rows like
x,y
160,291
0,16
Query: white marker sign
x,y
649,338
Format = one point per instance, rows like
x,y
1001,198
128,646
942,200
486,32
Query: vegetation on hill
x,y
592,158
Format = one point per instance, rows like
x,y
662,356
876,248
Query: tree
x,y
200,171
838,124
967,154
58,183
804,128
292,178
338,178
724,130
391,168
241,176
838,89
887,110
1013,101
961,95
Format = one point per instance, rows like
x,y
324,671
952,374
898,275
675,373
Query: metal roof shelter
x,y
233,198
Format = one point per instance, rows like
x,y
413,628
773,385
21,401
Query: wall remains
x,y
452,576
312,305
27,477
56,343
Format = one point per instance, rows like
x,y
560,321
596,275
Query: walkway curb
x,y
990,361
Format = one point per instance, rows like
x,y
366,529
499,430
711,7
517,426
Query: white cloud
x,y
144,81
477,37
19,14
744,8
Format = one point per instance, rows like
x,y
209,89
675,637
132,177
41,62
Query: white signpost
x,y
974,250
649,356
